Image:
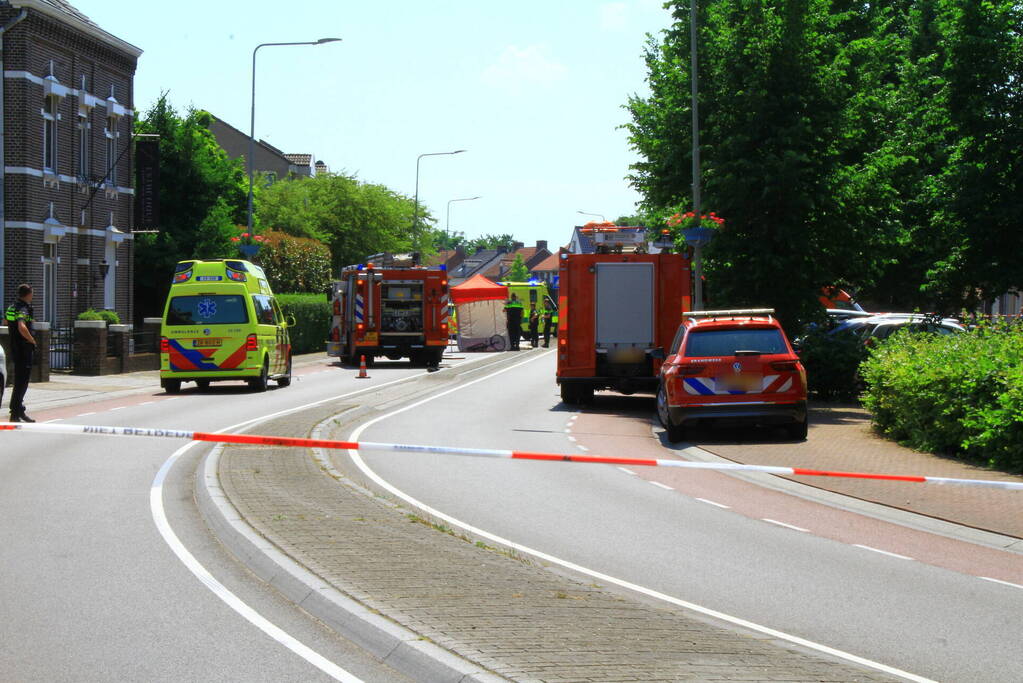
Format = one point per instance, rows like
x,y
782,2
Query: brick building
x,y
66,108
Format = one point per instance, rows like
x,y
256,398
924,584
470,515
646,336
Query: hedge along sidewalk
x,y
312,320
960,394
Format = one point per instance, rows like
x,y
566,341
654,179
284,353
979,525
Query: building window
x,y
50,133
84,129
111,133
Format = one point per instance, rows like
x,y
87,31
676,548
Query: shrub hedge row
x,y
312,318
960,395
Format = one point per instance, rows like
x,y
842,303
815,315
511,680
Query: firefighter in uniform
x,y
513,317
23,344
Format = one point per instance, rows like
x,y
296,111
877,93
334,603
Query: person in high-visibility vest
x,y
534,326
546,318
513,316
19,319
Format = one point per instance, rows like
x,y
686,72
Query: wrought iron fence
x,y
143,342
62,346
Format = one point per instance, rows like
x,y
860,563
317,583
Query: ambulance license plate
x,y
205,343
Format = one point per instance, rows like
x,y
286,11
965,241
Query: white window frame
x,y
84,147
51,116
111,134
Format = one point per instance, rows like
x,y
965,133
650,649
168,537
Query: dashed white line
x,y
173,398
883,552
628,471
573,418
571,438
53,420
663,486
581,447
84,414
717,505
146,403
1004,583
787,526
118,408
568,431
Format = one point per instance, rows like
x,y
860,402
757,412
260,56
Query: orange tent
x,y
478,288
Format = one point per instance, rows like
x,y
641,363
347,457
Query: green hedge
x,y
312,317
832,363
960,394
111,317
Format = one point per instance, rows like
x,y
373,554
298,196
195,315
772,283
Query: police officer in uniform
x,y
534,326
547,318
23,345
513,318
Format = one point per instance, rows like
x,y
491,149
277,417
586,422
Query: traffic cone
x,y
362,368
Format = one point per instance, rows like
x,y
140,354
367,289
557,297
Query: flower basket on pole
x,y
248,243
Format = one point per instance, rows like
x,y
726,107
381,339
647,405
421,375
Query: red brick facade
x,y
64,216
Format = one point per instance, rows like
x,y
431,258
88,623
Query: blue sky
x,y
532,89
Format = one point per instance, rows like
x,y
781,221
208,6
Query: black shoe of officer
x,y
14,418
25,418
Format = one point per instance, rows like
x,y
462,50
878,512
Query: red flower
x,y
245,234
235,239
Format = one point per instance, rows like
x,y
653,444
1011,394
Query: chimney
x,y
503,249
541,244
517,245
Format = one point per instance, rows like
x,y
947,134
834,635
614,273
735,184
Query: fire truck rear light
x,y
562,341
164,345
250,343
785,366
443,283
444,327
360,327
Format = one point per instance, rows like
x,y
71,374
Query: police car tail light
x,y
164,345
250,343
236,276
785,366
182,277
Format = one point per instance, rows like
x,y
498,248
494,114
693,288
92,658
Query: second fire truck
x,y
389,307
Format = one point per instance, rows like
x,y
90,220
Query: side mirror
x,y
657,353
290,320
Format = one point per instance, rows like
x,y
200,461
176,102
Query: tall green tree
x,y
355,219
518,272
203,194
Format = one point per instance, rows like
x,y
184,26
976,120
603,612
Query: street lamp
x,y
415,207
447,221
252,119
587,213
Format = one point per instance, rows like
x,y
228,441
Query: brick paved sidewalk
x,y
841,439
512,617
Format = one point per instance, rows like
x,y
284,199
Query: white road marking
x,y
568,431
361,464
119,408
581,447
146,403
627,471
571,438
787,526
573,418
663,486
883,552
1004,583
200,572
717,505
84,414
173,398
53,420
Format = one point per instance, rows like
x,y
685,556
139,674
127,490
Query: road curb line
x,y
880,511
398,647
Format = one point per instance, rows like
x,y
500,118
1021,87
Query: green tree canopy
x,y
518,272
203,194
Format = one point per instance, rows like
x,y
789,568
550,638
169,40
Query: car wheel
x,y
171,386
203,384
569,396
675,432
797,430
261,383
286,380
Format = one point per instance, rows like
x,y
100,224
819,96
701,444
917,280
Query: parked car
x,y
880,327
731,366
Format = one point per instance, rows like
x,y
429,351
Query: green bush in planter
x,y
109,316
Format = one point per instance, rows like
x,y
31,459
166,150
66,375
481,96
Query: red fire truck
x,y
617,308
389,307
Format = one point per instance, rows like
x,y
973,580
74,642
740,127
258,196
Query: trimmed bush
x,y
960,395
294,264
832,363
312,318
111,317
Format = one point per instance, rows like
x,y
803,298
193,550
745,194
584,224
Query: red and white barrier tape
x,y
259,440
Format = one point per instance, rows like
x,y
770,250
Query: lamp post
x,y
694,81
415,207
252,119
587,213
447,220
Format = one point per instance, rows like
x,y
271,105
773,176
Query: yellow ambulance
x,y
221,322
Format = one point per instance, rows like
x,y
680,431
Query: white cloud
x,y
614,16
518,68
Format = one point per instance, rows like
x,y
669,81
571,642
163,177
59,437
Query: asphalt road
x,y
90,590
917,616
